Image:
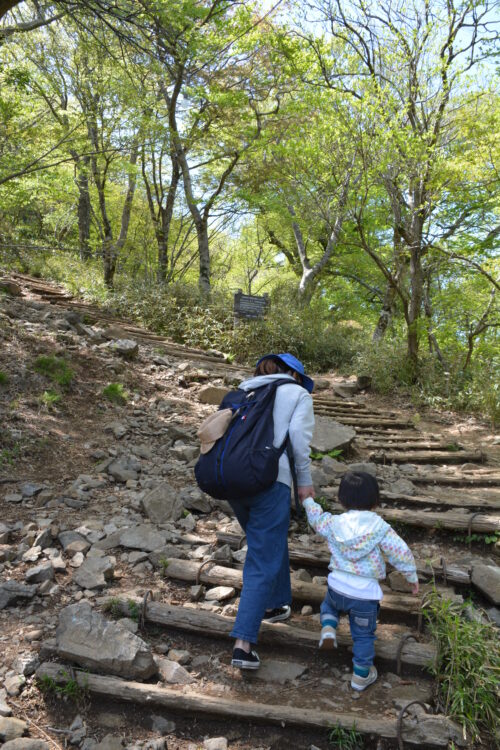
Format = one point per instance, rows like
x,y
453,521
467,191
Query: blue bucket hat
x,y
292,363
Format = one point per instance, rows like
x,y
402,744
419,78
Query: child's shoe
x,y
360,683
328,639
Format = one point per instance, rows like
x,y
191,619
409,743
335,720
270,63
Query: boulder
x,y
122,469
486,578
402,487
11,729
145,537
10,591
26,743
367,467
330,435
163,504
94,573
220,593
87,638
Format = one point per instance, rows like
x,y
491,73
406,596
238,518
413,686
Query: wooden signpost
x,y
249,307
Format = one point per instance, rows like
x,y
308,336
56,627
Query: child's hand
x,y
414,589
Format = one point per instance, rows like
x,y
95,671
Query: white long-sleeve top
x,y
292,413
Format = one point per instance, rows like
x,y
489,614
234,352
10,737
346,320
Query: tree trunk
x,y
84,211
204,255
385,314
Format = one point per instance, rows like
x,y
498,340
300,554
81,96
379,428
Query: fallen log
x,y
401,444
427,457
280,634
423,729
312,593
318,556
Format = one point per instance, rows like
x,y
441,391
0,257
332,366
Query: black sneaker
x,y
277,615
245,659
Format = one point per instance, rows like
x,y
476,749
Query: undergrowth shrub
x,y
466,667
54,368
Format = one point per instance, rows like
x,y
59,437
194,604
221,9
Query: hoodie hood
x,y
259,380
358,532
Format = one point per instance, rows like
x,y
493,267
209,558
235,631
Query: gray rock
x,y
366,466
122,470
173,673
30,489
162,725
26,743
110,742
43,539
179,655
215,743
26,664
184,452
118,429
127,348
195,500
158,557
398,582
94,573
330,435
87,638
42,572
14,684
67,537
131,625
10,591
332,467
144,537
280,671
13,497
163,504
494,615
11,729
220,593
486,578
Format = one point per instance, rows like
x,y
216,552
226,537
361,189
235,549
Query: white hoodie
x,y
292,413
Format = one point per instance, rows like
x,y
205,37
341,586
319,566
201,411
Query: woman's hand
x,y
305,492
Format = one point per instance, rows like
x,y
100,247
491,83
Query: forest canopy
x,y
341,156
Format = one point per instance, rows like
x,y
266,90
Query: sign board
x,y
249,307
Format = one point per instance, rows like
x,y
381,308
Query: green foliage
x,y
466,668
317,455
50,398
9,455
54,368
113,607
323,502
164,563
493,538
70,689
133,609
345,739
116,393
4,378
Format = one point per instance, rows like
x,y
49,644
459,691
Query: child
x,y
356,540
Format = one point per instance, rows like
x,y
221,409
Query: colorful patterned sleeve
x,y
321,522
399,555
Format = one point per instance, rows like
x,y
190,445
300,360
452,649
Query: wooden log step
x,y
478,479
276,634
318,556
404,445
427,457
312,593
368,421
385,434
430,501
424,729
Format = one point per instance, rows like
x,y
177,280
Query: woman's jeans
x,y
266,574
362,619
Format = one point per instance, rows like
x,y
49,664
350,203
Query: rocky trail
x,y
119,579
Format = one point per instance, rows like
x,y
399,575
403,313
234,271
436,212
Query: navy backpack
x,y
244,461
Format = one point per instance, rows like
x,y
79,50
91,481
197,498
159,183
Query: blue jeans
x,y
362,620
266,574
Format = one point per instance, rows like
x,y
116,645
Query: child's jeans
x,y
362,619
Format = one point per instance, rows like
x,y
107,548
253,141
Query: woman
x,y
267,593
